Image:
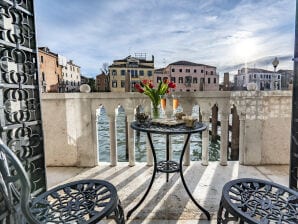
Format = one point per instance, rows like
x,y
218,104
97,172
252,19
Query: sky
x,y
227,34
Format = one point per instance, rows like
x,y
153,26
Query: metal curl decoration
x,y
20,132
258,201
16,94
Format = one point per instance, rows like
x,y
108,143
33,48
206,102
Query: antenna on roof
x,y
141,56
164,62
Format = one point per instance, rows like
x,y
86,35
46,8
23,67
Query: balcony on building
x,y
73,148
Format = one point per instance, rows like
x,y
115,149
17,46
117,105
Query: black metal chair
x,y
84,201
257,201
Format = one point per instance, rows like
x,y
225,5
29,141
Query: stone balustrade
x,y
70,132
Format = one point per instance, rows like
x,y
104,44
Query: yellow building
x,y
125,73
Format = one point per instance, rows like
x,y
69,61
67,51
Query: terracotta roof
x,y
188,63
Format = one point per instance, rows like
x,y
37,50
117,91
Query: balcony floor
x,y
168,202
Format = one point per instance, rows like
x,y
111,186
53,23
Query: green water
x,y
159,144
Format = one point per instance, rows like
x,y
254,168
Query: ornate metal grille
x,y
294,132
20,116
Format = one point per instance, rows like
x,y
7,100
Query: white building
x,y
71,78
264,79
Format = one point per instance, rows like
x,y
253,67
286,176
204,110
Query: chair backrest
x,y
14,185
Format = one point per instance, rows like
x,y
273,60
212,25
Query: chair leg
x,y
219,213
119,214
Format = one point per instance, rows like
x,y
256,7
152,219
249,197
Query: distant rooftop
x,y
255,70
190,64
140,58
47,51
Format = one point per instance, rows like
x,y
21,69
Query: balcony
x,y
70,134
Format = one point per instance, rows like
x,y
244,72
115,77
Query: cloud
x,y
93,32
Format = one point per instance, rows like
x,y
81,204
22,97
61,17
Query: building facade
x,y
71,78
287,78
101,82
56,73
125,73
189,76
49,69
264,79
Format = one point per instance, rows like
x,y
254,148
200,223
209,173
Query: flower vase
x,y
155,111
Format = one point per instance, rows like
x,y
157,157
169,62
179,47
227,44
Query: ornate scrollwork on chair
x,y
257,201
84,201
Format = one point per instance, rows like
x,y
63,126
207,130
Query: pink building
x,y
189,76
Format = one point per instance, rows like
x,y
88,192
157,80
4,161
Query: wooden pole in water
x,y
214,120
235,134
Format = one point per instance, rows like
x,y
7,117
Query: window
x,y
195,80
122,72
114,83
43,76
261,76
132,85
211,72
188,80
141,72
180,80
195,70
255,76
149,73
180,70
78,70
65,74
134,73
187,70
214,80
158,79
41,59
208,80
122,83
278,76
206,72
114,72
173,79
173,70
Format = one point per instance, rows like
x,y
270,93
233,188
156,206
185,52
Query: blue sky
x,y
222,33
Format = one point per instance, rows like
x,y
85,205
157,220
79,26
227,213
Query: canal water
x,y
159,142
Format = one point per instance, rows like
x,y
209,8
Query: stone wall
x,y
69,122
266,126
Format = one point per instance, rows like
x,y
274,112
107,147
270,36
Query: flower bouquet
x,y
147,87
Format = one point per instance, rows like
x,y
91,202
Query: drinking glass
x,y
163,102
175,102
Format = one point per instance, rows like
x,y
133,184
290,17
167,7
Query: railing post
x,y
131,142
205,139
113,151
241,138
224,138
